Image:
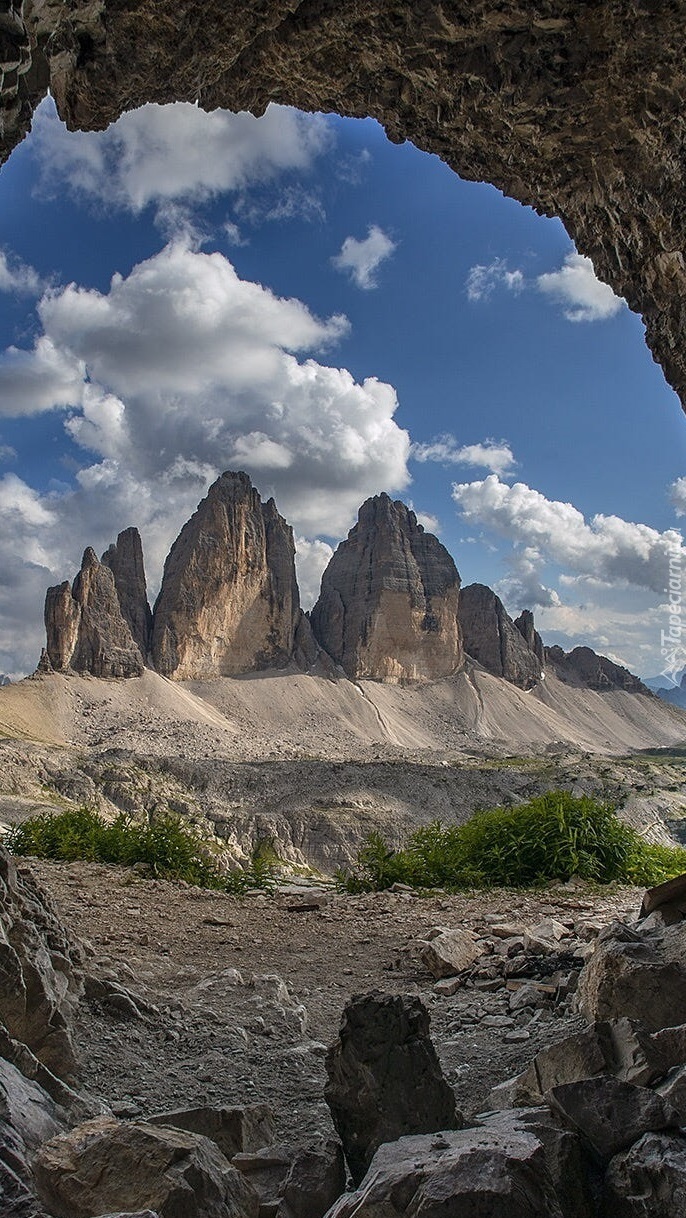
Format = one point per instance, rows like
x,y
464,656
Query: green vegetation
x,y
170,849
552,838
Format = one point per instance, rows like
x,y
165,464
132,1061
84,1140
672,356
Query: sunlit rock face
x,y
388,602
578,111
494,641
229,600
86,630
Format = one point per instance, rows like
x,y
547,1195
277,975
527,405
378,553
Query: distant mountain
x,y
661,682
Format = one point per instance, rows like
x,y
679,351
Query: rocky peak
x,y
492,638
125,560
388,602
528,631
229,600
585,667
85,628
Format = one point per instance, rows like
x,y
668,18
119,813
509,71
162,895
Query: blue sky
x,y
339,316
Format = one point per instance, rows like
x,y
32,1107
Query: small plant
x,y
553,837
171,849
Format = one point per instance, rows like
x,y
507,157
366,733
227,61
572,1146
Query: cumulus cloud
x,y
179,371
483,280
606,547
495,455
312,557
361,259
17,276
582,295
158,154
677,494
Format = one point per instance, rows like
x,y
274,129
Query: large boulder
x,y
229,601
40,978
648,1180
446,952
86,630
125,560
568,1164
383,1077
107,1165
491,638
610,1115
638,974
472,1173
388,604
235,1130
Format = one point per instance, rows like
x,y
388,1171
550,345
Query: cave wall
x,y
578,109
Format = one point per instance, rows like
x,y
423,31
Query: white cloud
x,y
179,371
159,154
429,522
607,547
575,286
677,494
311,560
7,453
16,276
361,259
483,280
495,455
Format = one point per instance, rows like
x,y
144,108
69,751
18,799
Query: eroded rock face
x,y
580,118
39,979
528,631
389,597
125,560
85,627
229,600
583,666
492,638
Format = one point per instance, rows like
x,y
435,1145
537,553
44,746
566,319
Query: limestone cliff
x,y
583,666
229,600
85,628
388,602
125,560
528,631
491,637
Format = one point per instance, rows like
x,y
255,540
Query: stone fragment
x,y
388,606
638,975
235,1130
491,638
109,1165
86,630
446,952
383,1077
471,1173
229,601
673,1091
648,1180
610,1115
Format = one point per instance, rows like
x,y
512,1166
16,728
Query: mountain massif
x,y
391,606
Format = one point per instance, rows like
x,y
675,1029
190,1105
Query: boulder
x,y
491,638
107,1165
648,1180
125,560
229,600
388,604
610,1115
383,1077
446,952
570,1171
295,1182
471,1173
86,630
235,1130
41,980
641,975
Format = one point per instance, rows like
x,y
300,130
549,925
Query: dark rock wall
x,y
125,560
491,637
575,108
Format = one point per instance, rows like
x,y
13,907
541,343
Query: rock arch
x,y
576,108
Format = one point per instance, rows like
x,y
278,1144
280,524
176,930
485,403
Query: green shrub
x,y
551,838
170,847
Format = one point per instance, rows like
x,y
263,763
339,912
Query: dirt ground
x,y
236,999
